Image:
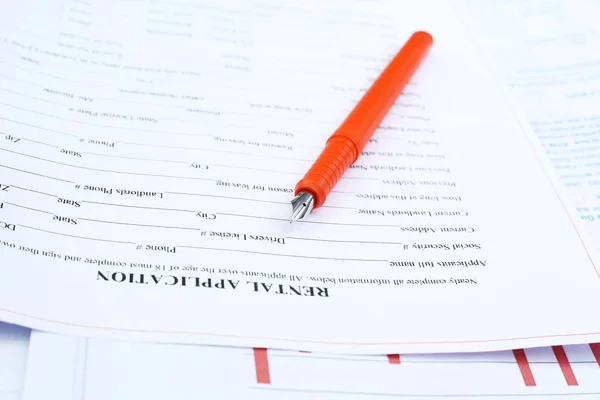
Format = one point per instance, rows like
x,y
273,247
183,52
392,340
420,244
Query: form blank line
x,y
342,241
34,98
12,78
307,222
282,255
33,173
341,223
34,191
74,236
38,127
136,158
142,225
288,172
132,206
107,170
255,217
214,150
42,143
50,75
31,140
28,208
287,203
227,197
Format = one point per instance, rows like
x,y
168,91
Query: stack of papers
x,y
69,368
14,346
148,157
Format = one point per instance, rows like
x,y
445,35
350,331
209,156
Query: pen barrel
x,y
364,119
337,156
347,142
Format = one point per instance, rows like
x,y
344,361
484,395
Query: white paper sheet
x,y
14,345
149,152
76,368
545,51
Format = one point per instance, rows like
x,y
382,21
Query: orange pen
x,y
347,142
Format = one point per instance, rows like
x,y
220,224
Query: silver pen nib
x,y
302,205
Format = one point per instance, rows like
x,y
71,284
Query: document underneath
x,y
14,344
148,157
70,368
542,51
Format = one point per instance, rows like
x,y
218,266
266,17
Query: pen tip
x,y
302,205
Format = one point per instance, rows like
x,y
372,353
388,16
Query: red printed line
x,y
261,363
394,358
303,351
565,365
524,367
595,347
